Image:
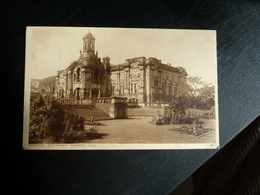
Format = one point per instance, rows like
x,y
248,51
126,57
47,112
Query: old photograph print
x,y
120,88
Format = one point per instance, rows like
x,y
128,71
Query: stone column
x,y
66,86
126,80
179,85
167,84
129,80
152,83
117,84
141,79
160,85
69,79
83,78
141,84
87,82
90,93
152,95
83,83
70,85
99,91
117,81
57,86
148,85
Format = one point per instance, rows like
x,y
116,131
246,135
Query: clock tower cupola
x,y
89,43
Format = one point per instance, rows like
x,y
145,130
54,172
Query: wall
x,y
114,107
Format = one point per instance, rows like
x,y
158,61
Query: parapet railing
x,y
93,101
103,101
110,100
69,101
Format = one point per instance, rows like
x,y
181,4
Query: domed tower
x,y
89,43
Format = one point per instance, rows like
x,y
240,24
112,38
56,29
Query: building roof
x,y
89,35
118,67
74,64
149,62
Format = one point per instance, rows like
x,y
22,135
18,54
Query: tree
x,y
199,90
175,109
207,96
47,119
51,122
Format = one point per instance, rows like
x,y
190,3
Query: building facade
x,y
147,81
141,80
86,77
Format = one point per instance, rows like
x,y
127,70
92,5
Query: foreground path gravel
x,y
139,130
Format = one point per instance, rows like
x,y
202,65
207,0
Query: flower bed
x,y
194,132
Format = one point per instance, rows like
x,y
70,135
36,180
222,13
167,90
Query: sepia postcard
x,y
120,89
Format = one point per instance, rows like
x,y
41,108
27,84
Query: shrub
x,y
76,123
205,115
159,122
74,137
190,120
93,135
167,120
50,122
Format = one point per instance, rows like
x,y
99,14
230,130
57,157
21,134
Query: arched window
x,y
74,77
96,79
76,93
78,75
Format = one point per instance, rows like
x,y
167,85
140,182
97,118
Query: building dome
x,y
88,35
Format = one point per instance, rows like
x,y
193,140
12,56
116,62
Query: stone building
x,y
147,80
86,78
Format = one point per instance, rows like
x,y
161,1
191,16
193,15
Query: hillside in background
x,y
47,83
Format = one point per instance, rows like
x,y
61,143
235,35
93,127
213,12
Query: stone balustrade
x,y
115,107
109,100
69,101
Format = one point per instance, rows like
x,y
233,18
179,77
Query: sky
x,y
49,49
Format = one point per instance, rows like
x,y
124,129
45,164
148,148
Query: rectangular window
x,y
122,91
175,90
164,88
169,90
133,88
113,90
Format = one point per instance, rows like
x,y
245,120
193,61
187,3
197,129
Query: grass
x,y
196,111
155,111
144,111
